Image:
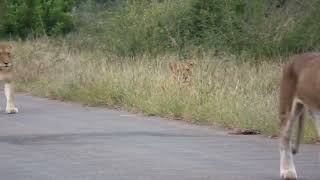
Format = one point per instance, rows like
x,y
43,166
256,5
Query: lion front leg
x,y
9,93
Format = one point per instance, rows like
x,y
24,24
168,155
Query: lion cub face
x,y
181,67
5,55
182,71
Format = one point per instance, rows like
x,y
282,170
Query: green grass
x,y
224,93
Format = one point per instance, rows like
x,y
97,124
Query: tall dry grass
x,y
223,93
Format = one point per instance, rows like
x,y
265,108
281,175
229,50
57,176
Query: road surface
x,y
50,140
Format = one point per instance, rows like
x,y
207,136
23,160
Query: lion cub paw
x,y
12,110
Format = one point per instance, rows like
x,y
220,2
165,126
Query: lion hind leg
x,y
287,167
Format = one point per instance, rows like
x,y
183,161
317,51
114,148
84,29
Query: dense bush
x,y
305,35
133,27
239,26
36,17
220,23
100,2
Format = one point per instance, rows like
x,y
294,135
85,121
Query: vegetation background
x,y
116,53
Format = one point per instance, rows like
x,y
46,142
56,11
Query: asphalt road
x,y
50,140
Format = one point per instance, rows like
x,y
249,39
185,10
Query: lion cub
x,y
182,71
6,75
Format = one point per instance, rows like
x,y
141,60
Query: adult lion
x,y
299,91
6,75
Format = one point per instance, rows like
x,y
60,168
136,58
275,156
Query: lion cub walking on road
x,y
6,75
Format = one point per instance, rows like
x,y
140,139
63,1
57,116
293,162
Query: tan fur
x,y
182,71
5,59
298,81
299,90
6,74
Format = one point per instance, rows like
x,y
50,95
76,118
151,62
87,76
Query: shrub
x,y
154,26
304,36
36,17
145,27
134,27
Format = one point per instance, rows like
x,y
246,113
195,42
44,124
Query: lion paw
x,y
13,110
289,175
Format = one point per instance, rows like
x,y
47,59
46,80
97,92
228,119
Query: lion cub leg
x,y
9,93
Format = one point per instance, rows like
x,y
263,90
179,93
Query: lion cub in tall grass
x,y
182,71
6,75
